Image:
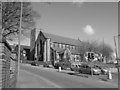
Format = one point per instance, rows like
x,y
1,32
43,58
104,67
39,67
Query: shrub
x,y
63,65
58,64
66,65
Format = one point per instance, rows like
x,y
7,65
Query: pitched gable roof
x,y
60,39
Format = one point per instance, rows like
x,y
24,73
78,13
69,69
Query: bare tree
x,y
93,46
11,18
106,50
0,18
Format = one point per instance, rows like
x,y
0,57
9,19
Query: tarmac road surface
x,y
39,77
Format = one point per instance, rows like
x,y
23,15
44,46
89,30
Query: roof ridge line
x,y
59,35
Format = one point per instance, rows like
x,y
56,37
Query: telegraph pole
x,y
115,46
19,53
116,52
103,55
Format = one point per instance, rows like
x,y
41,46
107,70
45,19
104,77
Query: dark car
x,y
34,64
87,69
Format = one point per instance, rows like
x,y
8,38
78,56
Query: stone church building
x,y
50,47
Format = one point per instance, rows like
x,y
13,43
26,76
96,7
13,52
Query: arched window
x,y
60,46
67,46
63,46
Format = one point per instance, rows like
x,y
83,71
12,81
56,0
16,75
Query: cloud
x,y
89,30
79,2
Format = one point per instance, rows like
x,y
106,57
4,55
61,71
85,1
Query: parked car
x,y
87,69
103,69
34,64
75,67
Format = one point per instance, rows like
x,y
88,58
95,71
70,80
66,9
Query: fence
x,y
8,66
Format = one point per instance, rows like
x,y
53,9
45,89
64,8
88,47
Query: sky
x,y
88,21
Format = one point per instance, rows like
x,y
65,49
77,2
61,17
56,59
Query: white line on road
x,y
44,79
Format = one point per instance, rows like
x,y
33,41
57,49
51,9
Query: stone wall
x,y
8,75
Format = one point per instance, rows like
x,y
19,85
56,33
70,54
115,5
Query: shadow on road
x,y
103,79
81,75
76,74
100,77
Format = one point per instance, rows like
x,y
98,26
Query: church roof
x,y
61,39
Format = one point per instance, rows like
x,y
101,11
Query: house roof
x,y
22,47
25,47
61,39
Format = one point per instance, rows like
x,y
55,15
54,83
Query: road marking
x,y
44,79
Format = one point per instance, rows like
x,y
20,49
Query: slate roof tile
x,y
61,39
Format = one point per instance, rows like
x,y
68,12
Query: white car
x,y
96,70
103,70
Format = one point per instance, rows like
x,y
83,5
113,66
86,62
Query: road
x,y
37,77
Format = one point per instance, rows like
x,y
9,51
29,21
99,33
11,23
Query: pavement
x,y
28,79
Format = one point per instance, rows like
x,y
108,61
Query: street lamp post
x,y
116,51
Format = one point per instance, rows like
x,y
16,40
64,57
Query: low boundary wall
x,y
8,66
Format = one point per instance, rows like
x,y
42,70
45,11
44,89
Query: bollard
x,y
109,75
59,69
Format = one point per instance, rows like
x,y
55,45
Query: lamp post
x,y
116,51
